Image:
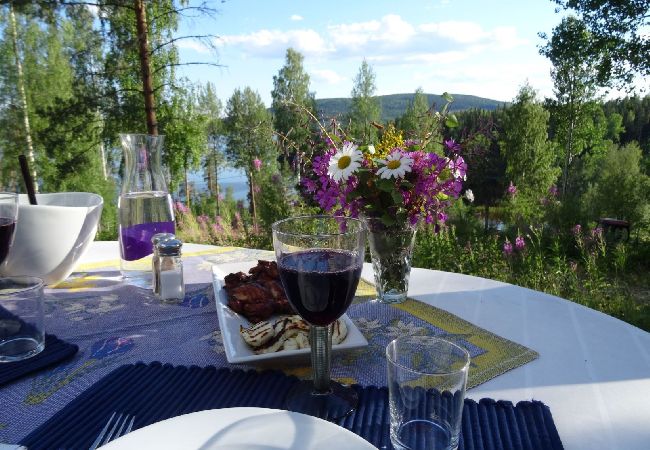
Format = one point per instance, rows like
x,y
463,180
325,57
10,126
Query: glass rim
x,y
31,283
465,353
141,134
275,226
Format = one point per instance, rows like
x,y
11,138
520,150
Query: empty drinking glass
x,y
427,377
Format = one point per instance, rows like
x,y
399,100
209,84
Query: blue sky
x,y
487,48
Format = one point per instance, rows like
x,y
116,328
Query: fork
x,y
115,431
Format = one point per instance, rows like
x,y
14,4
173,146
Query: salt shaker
x,y
155,260
171,287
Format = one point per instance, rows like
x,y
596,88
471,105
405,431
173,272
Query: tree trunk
x,y
102,155
252,194
23,96
216,188
187,188
145,66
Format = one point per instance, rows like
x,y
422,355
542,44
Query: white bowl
x,y
52,236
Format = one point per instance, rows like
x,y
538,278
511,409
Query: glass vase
x,y
145,206
391,251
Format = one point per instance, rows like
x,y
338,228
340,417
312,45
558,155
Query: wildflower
x,y
512,190
180,207
507,248
597,232
345,162
577,229
553,190
469,195
452,146
520,243
395,165
258,164
371,149
202,218
574,266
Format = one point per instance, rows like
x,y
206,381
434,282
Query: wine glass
x,y
320,260
8,215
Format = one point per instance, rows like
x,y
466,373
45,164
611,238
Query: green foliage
x,y
621,190
291,97
618,42
249,131
365,107
530,158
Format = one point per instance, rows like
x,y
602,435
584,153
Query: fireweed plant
x,y
396,181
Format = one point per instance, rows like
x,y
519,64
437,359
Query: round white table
x,y
593,370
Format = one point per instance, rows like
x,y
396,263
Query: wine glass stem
x,y
321,349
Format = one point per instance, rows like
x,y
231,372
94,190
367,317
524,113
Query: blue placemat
x,y
55,352
154,392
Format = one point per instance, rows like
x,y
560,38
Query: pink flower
x,y
597,232
577,229
507,248
520,244
180,207
553,190
258,164
202,218
512,190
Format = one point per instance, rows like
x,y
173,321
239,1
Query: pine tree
x,y
250,138
292,103
365,108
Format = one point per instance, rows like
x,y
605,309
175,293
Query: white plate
x,y
237,351
241,428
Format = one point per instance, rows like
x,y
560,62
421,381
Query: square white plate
x,y
237,352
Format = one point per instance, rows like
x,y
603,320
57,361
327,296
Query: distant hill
x,y
395,105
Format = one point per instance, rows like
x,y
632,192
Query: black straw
x,y
27,178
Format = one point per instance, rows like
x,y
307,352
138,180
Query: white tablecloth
x,y
593,370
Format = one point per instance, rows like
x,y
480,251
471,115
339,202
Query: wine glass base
x,y
338,403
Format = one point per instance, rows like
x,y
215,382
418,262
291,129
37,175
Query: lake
x,y
227,178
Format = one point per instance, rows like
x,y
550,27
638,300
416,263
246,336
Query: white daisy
x,y
396,165
345,162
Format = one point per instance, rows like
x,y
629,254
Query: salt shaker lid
x,y
170,247
158,237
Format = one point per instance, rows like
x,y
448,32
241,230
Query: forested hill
x,y
395,105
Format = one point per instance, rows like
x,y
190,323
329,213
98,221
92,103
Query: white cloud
x,y
327,76
273,43
296,17
388,40
191,44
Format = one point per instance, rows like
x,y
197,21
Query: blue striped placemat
x,y
155,392
54,352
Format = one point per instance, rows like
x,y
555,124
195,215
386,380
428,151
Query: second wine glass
x,y
320,260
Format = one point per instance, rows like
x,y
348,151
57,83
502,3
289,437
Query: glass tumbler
x,y
21,318
427,378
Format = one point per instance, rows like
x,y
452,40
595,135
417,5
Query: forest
x,y
542,172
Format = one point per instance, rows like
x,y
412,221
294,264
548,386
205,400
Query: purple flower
x,y
507,248
553,191
520,243
452,146
577,229
180,207
512,190
258,164
202,218
597,232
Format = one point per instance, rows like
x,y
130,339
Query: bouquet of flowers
x,y
397,181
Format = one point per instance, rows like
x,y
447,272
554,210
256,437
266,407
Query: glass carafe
x,y
145,206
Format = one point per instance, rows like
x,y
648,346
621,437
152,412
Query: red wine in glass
x,y
320,260
320,284
7,227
